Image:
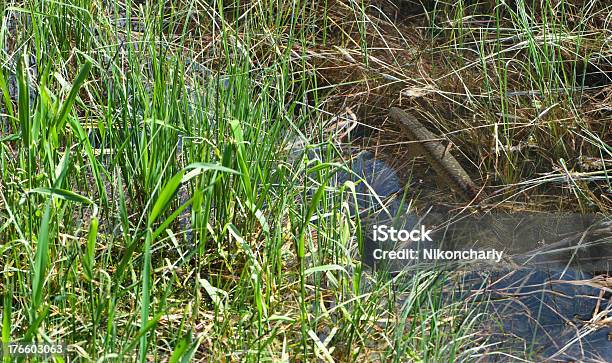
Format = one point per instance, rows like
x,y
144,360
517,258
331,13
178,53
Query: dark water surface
x,y
547,306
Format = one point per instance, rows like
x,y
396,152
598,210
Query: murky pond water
x,y
550,306
554,314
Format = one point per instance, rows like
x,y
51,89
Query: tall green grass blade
x,y
63,194
89,258
41,261
142,332
74,91
241,158
199,168
181,350
145,298
7,310
93,162
165,196
6,97
171,218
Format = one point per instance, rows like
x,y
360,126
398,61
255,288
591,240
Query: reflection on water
x,y
545,313
553,312
373,175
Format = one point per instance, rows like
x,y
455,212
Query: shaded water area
x,y
546,299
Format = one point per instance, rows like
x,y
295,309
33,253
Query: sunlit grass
x,y
153,201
